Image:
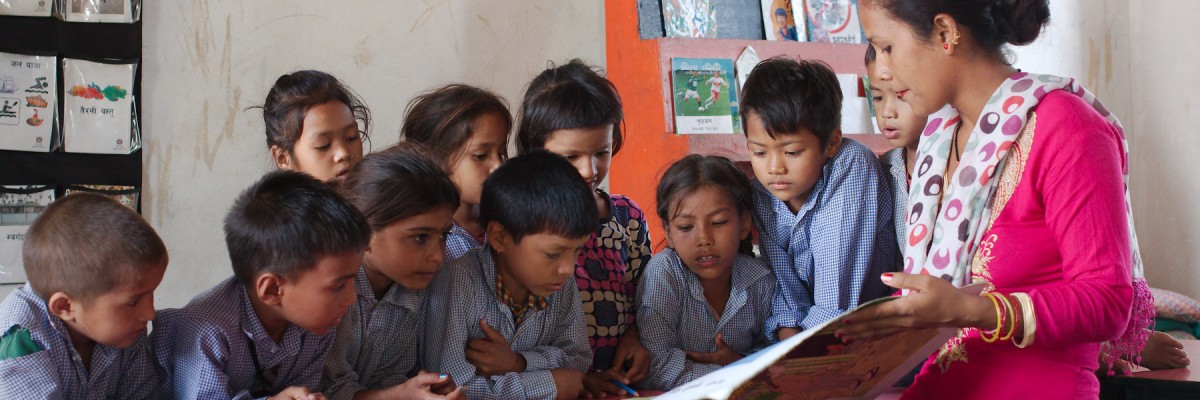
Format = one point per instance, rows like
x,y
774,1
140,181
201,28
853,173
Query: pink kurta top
x,y
1059,234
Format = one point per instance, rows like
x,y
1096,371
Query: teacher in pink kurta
x,y
1019,184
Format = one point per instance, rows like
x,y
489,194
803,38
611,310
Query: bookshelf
x,y
640,68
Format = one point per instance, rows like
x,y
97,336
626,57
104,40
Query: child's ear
x,y
498,237
283,160
269,288
746,226
61,305
834,144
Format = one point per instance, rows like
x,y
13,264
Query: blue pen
x,y
623,386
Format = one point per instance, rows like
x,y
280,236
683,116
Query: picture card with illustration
x,y
98,107
780,23
704,96
832,21
19,207
104,11
26,8
690,18
28,102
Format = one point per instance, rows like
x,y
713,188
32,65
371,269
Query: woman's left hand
x,y
931,302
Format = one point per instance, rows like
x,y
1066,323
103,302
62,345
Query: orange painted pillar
x,y
633,66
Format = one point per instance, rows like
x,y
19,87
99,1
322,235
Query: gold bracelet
x,y
999,320
1012,317
1029,319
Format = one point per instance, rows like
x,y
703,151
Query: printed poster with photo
x,y
690,18
110,11
704,96
833,21
28,102
19,206
779,21
98,107
26,8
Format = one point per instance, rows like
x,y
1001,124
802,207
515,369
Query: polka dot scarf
x,y
950,224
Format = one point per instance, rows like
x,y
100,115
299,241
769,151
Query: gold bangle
x,y
1012,317
999,321
1029,320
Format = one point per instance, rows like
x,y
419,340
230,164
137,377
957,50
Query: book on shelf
x,y
816,365
779,22
703,95
832,21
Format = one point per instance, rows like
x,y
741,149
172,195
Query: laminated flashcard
x,y
98,107
114,11
778,22
26,8
126,195
690,18
704,96
832,21
28,102
19,206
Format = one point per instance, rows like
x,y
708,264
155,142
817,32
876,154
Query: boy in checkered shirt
x,y
77,329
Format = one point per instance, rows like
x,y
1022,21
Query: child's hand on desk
x,y
723,356
1163,352
427,385
297,393
567,382
630,351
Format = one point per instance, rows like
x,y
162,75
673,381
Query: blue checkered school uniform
x,y
463,293
674,317
216,348
459,242
377,344
827,256
57,371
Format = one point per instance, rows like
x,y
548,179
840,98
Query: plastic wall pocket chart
x,y
19,206
26,8
27,102
98,107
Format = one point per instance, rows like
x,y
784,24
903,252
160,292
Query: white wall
x,y
1136,56
1163,69
207,61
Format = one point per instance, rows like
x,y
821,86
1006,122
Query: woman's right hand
x,y
931,302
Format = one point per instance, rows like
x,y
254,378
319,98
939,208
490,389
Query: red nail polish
x,y
886,278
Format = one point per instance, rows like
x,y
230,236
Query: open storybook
x,y
816,365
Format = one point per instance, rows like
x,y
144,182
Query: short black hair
x,y
396,183
87,244
570,96
790,95
286,222
539,192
